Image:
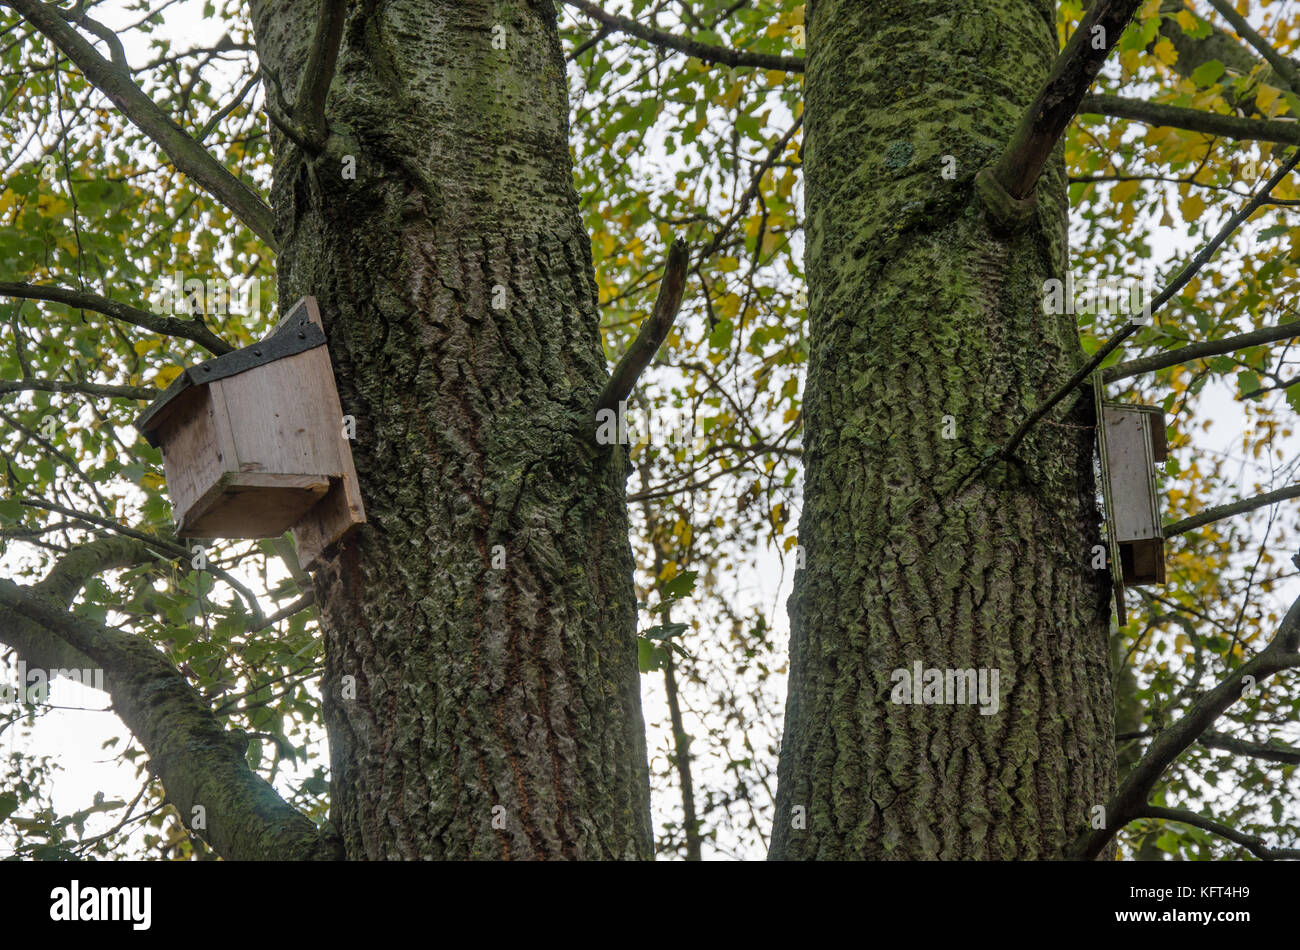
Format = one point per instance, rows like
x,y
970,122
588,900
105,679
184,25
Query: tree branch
x,y
199,762
80,300
1130,800
142,393
1227,511
1185,275
1218,740
159,543
1010,181
1196,351
1194,120
1281,65
701,51
186,154
652,332
1252,843
314,87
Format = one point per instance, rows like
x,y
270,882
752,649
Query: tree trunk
x,y
929,344
481,690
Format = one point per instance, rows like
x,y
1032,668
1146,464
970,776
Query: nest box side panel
x,y
341,508
1131,465
280,417
198,449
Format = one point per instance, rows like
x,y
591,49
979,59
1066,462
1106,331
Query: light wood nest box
x,y
1132,442
253,442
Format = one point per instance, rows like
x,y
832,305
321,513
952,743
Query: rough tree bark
x,y
926,322
473,710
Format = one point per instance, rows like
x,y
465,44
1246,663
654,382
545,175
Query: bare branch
x,y
701,51
302,603
1186,274
652,332
1130,800
1211,515
1196,351
186,154
185,329
751,192
1010,181
142,393
319,71
1270,753
1194,120
1253,843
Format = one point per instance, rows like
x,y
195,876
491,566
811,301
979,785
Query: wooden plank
x,y
280,416
1130,465
197,450
253,505
341,509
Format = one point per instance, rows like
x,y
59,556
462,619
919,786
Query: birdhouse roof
x,y
296,333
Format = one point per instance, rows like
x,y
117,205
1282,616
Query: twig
x,y
1185,275
1196,351
652,332
1227,511
1281,65
1253,843
701,51
186,154
1194,120
170,326
1131,799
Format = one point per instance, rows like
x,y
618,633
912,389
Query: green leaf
x,y
1293,396
8,804
645,652
680,586
720,338
10,511
1247,382
665,631
1207,74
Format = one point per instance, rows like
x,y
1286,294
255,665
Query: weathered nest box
x,y
1132,441
253,442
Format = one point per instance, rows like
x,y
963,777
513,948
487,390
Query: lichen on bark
x,y
473,712
925,322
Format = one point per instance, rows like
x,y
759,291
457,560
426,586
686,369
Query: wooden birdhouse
x,y
253,442
1132,442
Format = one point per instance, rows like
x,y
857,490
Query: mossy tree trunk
x,y
929,344
481,688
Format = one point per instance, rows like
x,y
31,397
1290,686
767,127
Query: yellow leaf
x,y
1265,97
166,376
1123,191
1165,52
1192,206
1186,19
669,571
142,347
